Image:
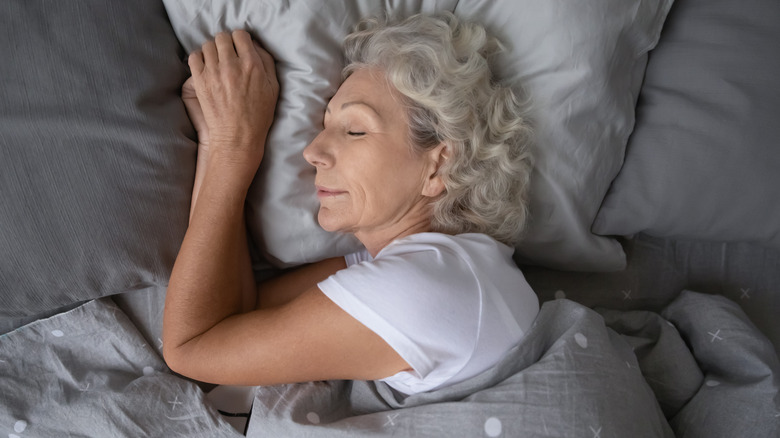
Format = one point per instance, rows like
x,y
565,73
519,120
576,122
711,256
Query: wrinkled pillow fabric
x,y
581,63
96,166
703,161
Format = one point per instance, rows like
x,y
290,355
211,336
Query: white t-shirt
x,y
451,306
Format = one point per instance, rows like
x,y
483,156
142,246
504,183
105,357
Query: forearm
x,y
212,276
200,171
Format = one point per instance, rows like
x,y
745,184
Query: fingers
x,y
188,89
195,62
243,42
224,45
222,48
230,46
246,47
268,60
210,56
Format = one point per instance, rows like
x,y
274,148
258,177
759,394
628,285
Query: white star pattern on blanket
x,y
175,403
715,336
391,419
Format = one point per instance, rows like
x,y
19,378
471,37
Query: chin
x,y
328,222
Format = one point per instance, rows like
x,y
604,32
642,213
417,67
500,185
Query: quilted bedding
x,y
699,368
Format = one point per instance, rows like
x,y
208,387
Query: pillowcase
x,y
703,161
581,63
96,167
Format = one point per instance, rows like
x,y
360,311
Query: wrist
x,y
248,149
231,170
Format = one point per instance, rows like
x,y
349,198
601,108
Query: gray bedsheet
x,y
699,368
89,373
658,269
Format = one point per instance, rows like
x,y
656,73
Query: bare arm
x,y
285,288
296,333
212,277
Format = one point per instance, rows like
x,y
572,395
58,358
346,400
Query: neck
x,y
375,240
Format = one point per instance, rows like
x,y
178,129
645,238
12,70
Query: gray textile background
x,y
96,166
714,374
704,159
658,269
89,372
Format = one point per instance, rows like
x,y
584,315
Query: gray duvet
x,y
697,369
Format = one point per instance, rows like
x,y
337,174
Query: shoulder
x,y
435,299
428,259
465,260
443,249
457,242
427,270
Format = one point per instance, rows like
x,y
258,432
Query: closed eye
x,y
355,134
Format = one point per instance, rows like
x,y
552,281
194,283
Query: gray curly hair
x,y
439,65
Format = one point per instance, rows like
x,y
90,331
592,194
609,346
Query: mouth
x,y
325,192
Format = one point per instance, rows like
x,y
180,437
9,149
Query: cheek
x,y
380,184
390,187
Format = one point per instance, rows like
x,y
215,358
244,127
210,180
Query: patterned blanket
x,y
697,369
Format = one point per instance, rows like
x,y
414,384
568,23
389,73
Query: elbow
x,y
177,356
185,361
174,348
174,359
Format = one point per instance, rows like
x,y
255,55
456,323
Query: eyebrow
x,y
356,102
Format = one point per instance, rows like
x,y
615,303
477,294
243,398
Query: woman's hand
x,y
236,91
195,112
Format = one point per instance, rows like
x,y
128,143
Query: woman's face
x,y
368,177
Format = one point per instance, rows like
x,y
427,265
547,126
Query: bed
x,y
654,242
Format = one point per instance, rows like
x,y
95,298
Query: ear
x,y
434,184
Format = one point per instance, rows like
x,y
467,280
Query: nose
x,y
317,153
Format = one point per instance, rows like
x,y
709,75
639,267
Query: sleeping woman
x,y
422,157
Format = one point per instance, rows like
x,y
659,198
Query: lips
x,y
326,192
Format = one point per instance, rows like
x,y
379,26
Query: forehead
x,y
368,86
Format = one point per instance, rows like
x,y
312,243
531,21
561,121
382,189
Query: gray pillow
x,y
581,62
704,159
96,160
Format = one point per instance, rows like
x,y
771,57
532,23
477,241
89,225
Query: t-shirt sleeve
x,y
425,304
